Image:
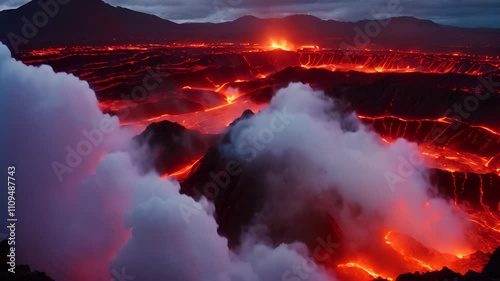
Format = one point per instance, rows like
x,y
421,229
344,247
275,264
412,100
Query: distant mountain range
x,y
66,22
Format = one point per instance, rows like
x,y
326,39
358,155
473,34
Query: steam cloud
x,y
104,216
68,228
327,154
74,229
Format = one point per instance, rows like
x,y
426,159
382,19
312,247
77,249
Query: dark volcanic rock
x,y
172,146
411,96
242,196
23,272
448,182
443,275
491,272
492,269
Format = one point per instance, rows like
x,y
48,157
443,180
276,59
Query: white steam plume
x,y
74,217
360,179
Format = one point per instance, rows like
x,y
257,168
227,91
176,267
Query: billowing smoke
x,y
164,246
85,212
305,145
69,225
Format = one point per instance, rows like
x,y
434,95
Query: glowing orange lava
x,y
363,268
483,233
281,44
183,172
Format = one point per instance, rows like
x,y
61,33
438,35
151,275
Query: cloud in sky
x,y
467,13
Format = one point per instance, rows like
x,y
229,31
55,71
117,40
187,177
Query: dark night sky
x,y
467,13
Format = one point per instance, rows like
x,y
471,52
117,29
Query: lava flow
x,y
205,87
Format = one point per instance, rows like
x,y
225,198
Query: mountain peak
x,y
96,22
78,22
247,18
302,17
411,19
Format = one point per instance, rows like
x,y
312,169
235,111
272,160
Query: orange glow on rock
x,y
363,268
